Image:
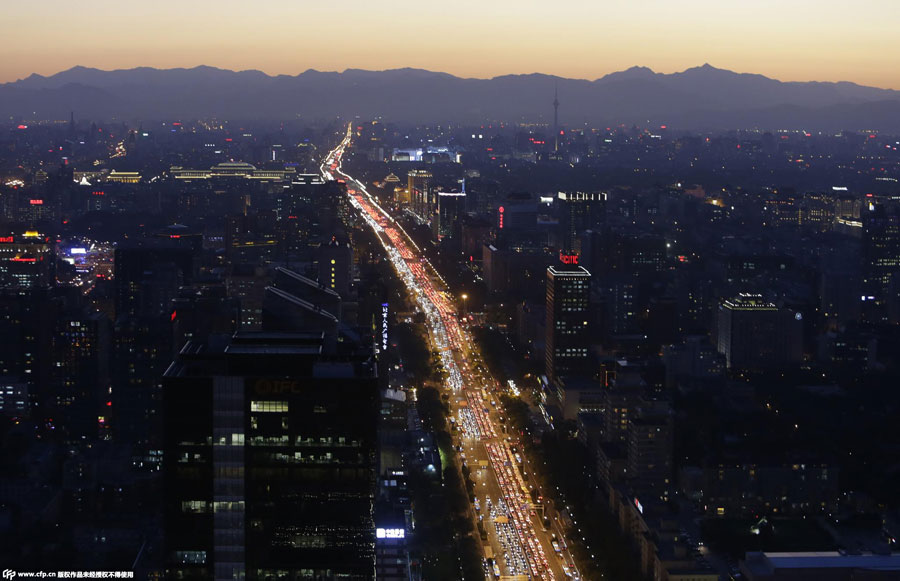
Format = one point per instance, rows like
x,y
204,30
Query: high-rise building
x,y
450,208
251,237
248,282
148,278
837,565
605,251
199,312
625,389
27,321
419,187
147,281
517,216
82,342
142,349
649,441
693,361
13,397
26,261
521,272
754,333
336,267
270,460
881,259
578,211
568,317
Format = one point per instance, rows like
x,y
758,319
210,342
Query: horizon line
x,y
462,77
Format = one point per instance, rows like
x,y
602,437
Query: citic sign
x,y
568,258
6,239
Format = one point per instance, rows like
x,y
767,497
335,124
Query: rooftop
x,y
761,563
749,302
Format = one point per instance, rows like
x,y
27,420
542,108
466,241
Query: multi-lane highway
x,y
518,545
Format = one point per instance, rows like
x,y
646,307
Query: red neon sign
x,y
568,258
36,202
8,239
18,259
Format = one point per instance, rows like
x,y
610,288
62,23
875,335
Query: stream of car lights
x,y
447,335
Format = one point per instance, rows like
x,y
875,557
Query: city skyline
x,y
450,291
297,347
787,42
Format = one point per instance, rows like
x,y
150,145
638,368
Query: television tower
x,y
556,118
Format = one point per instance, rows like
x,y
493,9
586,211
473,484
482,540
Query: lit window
x,y
268,406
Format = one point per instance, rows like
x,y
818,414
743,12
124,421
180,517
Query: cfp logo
x,y
8,574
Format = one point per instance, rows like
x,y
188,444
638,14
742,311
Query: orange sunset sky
x,y
790,40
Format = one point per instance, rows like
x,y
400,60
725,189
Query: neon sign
x,y
568,258
36,202
384,326
501,217
390,533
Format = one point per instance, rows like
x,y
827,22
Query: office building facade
x,y
568,318
754,333
270,460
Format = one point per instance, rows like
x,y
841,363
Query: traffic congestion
x,y
518,544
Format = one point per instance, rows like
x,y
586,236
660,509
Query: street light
x,y
465,298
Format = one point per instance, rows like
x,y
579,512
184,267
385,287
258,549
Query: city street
x,y
520,545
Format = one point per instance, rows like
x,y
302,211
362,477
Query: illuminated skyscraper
x,y
419,186
568,304
26,262
881,260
